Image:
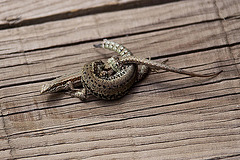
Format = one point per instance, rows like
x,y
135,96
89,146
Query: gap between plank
x,y
84,12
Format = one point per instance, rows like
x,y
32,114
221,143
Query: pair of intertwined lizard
x,y
112,80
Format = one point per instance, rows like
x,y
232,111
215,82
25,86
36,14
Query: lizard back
x,y
108,88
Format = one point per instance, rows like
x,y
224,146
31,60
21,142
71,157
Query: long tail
x,y
113,46
163,66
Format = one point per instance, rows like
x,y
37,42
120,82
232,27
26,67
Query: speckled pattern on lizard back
x,y
112,87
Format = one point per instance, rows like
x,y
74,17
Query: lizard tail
x,y
113,46
163,66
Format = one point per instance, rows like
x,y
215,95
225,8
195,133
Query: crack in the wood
x,y
225,157
119,120
183,86
112,7
195,85
126,145
153,58
48,79
132,92
151,134
202,92
137,127
7,135
118,138
156,90
137,33
167,105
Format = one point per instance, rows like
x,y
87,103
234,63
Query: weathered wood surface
x,y
166,116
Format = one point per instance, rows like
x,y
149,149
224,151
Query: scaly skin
x,y
108,88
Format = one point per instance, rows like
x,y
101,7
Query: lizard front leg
x,y
78,93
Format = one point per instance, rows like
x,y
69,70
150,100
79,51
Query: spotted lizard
x,y
106,77
112,81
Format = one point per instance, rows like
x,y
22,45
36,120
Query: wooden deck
x,y
166,116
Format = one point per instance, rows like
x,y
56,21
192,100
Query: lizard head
x,y
46,88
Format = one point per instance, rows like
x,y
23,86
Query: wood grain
x,y
166,116
27,12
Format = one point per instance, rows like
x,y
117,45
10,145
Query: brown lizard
x,y
128,73
96,78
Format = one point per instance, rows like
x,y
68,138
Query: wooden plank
x,y
167,116
95,27
4,139
28,12
169,130
15,12
70,109
227,9
73,57
59,33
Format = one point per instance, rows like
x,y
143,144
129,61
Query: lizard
x,y
101,72
96,79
